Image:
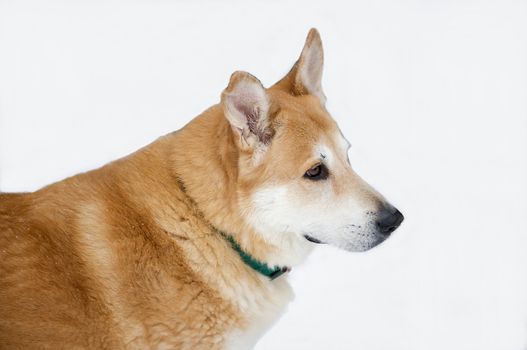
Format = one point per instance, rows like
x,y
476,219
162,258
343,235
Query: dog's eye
x,y
318,172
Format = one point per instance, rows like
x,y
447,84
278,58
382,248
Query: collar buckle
x,y
279,272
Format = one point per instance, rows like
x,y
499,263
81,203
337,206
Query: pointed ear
x,y
306,75
246,107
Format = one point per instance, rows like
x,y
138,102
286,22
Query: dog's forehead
x,y
302,115
305,122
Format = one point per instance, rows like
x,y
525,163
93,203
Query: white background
x,y
431,94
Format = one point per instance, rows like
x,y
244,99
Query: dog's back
x,y
46,299
83,265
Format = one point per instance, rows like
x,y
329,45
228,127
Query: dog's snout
x,y
389,220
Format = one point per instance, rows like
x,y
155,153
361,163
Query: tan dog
x,y
181,245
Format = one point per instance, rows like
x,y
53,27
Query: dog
x,y
187,243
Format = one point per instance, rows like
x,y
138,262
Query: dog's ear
x,y
246,107
306,75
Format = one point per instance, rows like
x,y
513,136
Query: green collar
x,y
263,268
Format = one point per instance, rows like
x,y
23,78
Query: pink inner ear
x,y
250,111
311,71
252,116
246,106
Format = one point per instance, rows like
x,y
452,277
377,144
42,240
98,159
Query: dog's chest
x,y
260,309
197,320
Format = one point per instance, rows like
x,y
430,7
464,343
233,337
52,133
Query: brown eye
x,y
318,172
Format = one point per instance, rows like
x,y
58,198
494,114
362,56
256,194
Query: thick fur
x,y
123,257
130,255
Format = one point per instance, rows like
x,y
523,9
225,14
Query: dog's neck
x,y
204,157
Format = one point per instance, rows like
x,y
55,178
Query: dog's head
x,y
294,174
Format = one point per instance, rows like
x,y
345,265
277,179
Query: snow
x,y
431,94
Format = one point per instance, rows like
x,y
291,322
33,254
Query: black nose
x,y
389,220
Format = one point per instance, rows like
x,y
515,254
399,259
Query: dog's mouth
x,y
312,239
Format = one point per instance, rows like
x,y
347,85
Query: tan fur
x,y
129,255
